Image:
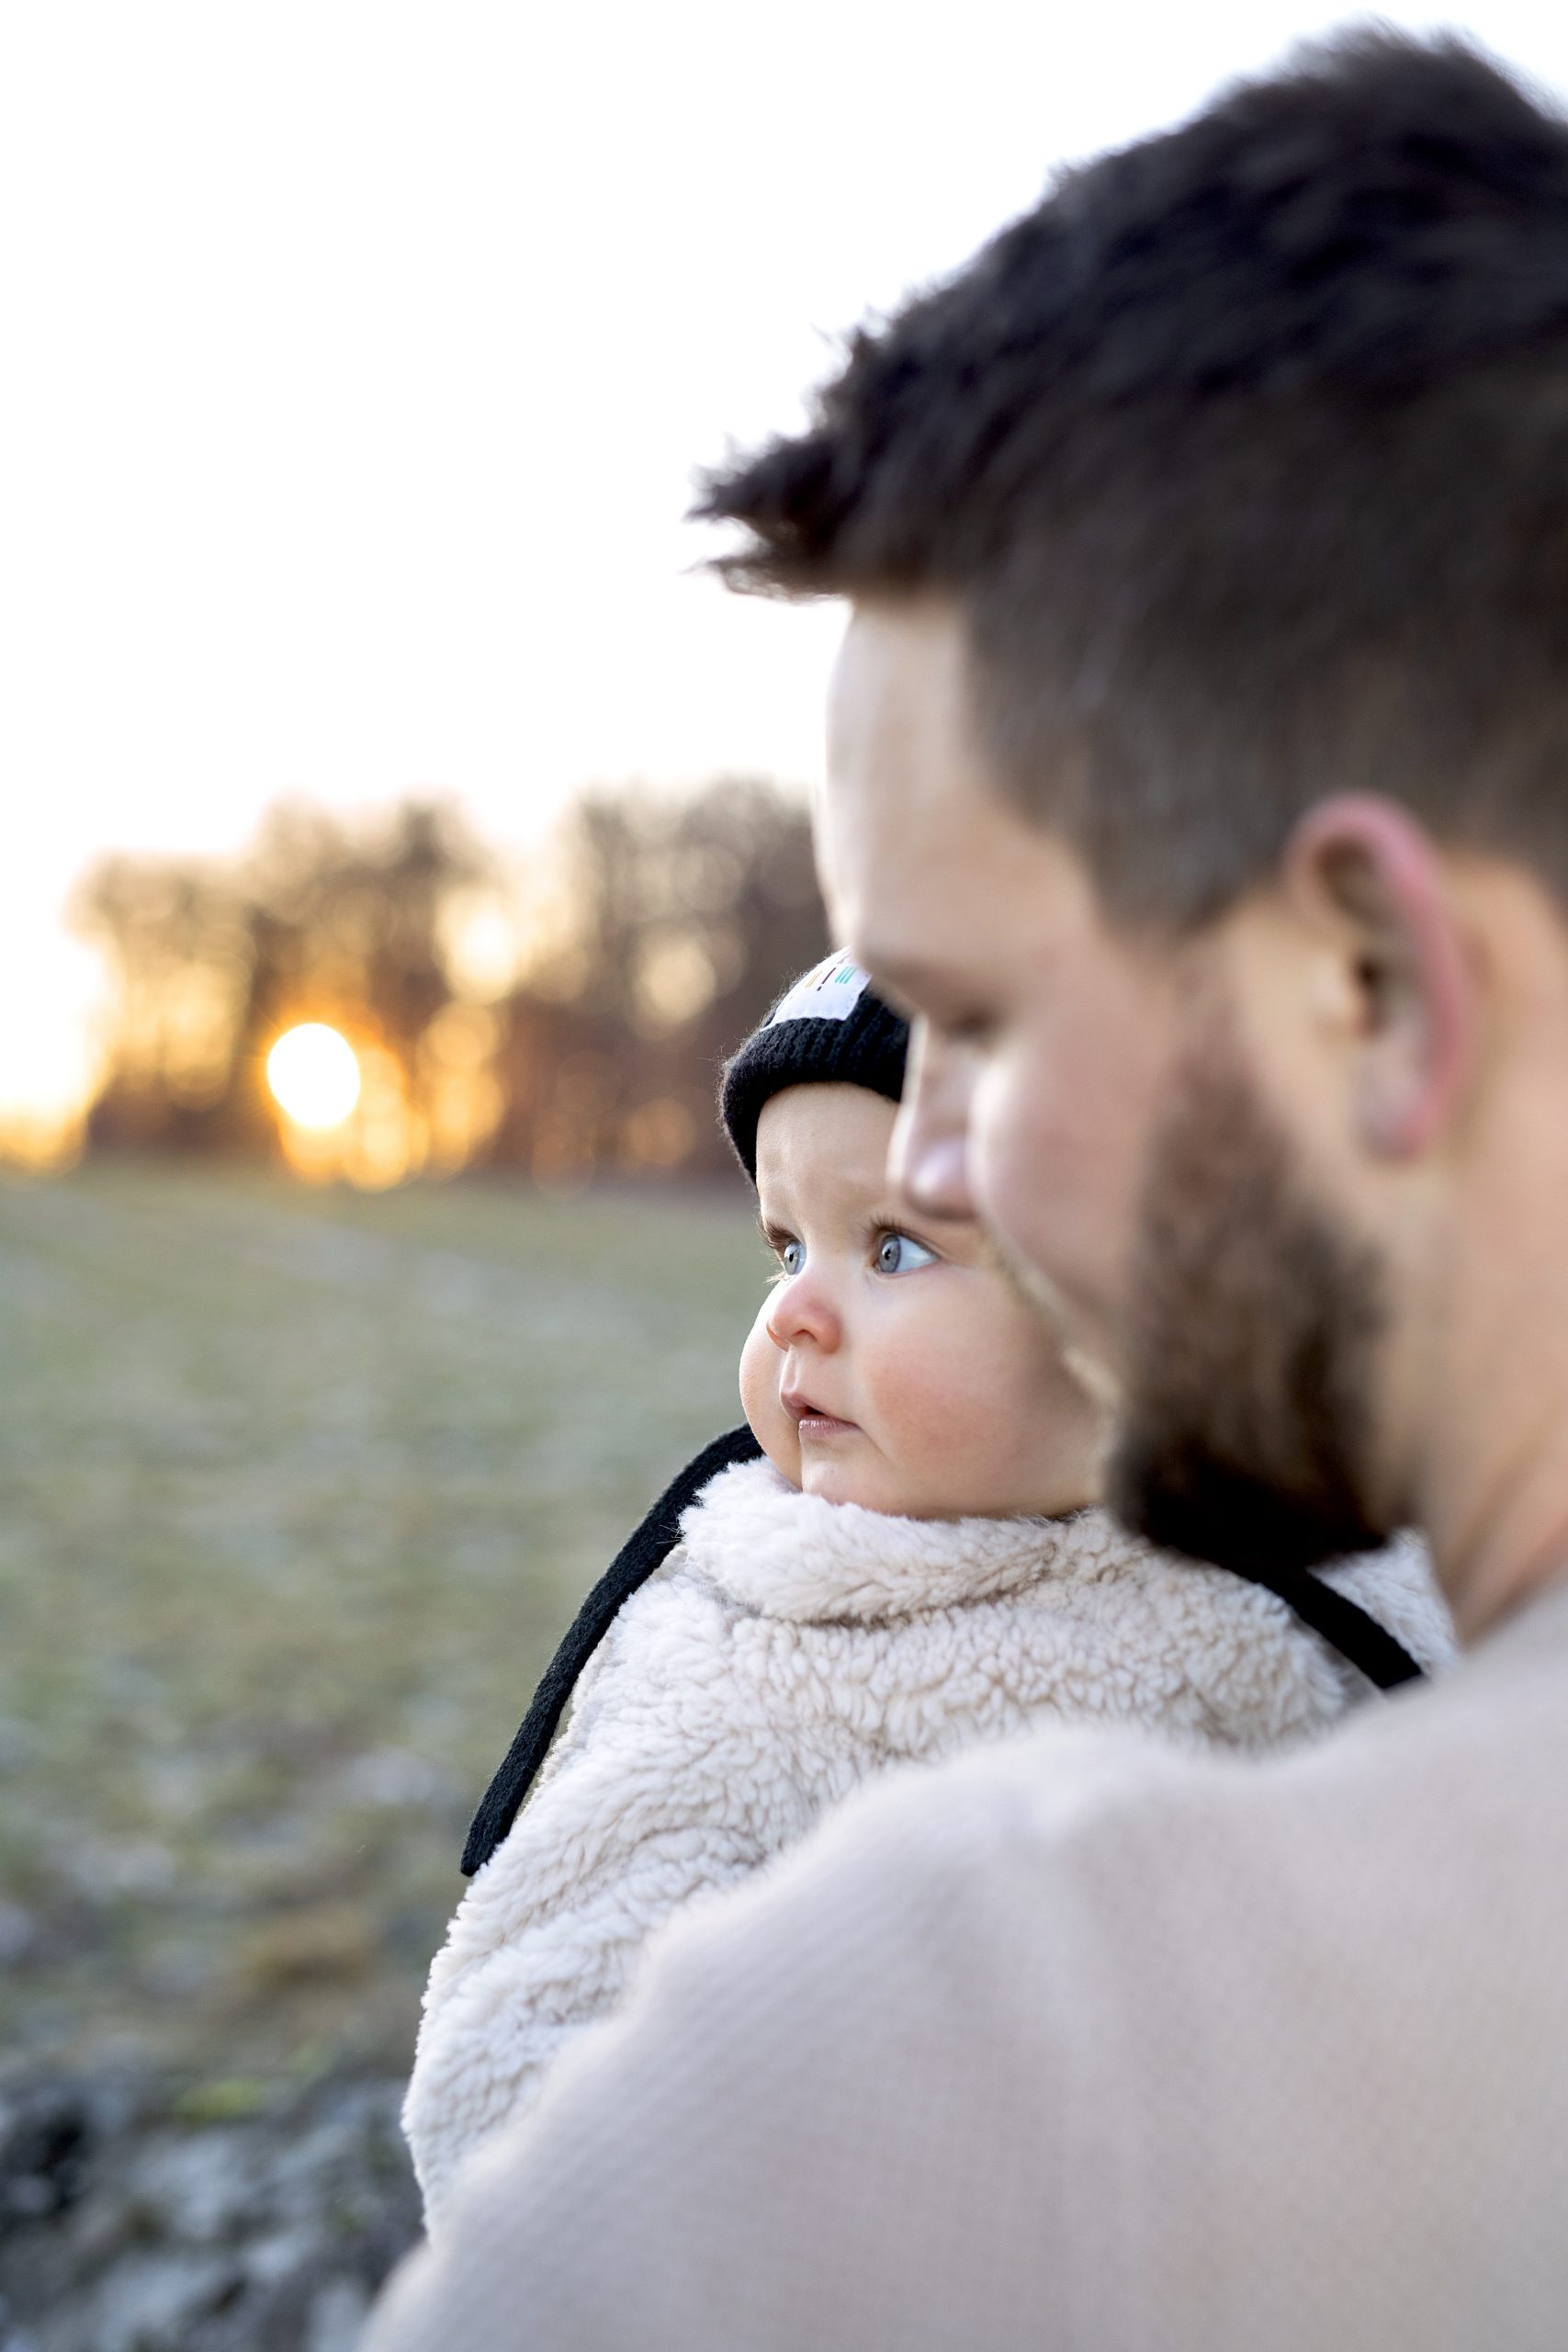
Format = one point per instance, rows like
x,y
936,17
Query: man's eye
x,y
971,1032
900,1253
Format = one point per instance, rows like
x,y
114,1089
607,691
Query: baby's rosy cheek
x,y
931,1412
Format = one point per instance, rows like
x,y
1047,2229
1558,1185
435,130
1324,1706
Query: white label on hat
x,y
828,992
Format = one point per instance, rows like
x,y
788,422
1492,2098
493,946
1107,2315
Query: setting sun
x,y
314,1075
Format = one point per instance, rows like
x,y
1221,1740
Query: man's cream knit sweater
x,y
1083,2041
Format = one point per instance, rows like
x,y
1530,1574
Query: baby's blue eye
x,y
900,1253
792,1256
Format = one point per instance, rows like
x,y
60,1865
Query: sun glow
x,y
313,1073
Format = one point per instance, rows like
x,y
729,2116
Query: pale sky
x,y
358,357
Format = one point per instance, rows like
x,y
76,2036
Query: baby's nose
x,y
803,1308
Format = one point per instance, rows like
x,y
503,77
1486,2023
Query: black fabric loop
x,y
650,1543
1342,1623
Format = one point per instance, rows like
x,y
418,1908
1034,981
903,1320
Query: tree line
x,y
565,1024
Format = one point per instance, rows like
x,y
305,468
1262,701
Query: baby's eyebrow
x,y
900,1214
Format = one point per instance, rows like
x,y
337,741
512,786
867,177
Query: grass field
x,y
297,1491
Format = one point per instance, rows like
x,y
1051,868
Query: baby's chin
x,y
851,1470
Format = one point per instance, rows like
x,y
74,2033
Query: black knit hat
x,y
827,1030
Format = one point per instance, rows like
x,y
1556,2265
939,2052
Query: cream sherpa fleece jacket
x,y
786,1651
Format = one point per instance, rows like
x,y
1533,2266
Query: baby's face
x,y
892,1365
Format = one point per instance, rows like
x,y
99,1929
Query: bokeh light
x,y
314,1075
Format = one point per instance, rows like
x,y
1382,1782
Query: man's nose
x,y
928,1158
803,1308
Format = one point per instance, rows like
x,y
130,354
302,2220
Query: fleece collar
x,y
794,1556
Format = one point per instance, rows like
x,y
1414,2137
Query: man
x,y
1200,777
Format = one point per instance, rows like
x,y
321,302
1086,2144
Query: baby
x,y
909,1561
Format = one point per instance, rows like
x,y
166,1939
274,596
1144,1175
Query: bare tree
x,y
678,919
317,921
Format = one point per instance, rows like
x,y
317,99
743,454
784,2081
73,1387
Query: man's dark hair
x,y
1244,456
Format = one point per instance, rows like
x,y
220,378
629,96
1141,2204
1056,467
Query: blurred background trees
x,y
562,1023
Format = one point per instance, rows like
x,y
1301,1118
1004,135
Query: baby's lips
x,y
801,1407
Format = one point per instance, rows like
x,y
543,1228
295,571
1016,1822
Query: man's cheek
x,y
1009,1151
1043,1198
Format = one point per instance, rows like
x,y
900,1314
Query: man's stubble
x,y
1252,1323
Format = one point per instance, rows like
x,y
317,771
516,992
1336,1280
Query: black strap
x,y
1342,1623
635,1561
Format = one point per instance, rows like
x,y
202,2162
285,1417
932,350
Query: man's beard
x,y
1252,1322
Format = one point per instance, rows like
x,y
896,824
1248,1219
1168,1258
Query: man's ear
x,y
1364,868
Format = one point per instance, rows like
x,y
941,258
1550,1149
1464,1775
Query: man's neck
x,y
1484,1359
1498,1511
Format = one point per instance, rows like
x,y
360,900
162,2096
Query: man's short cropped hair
x,y
1245,458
